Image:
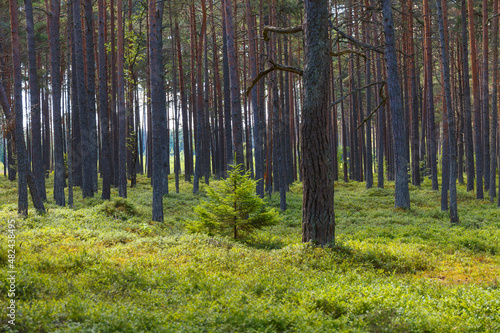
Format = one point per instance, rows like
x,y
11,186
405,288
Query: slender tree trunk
x,y
485,99
90,62
55,73
103,106
122,151
430,96
157,105
380,134
369,157
234,84
402,194
477,105
450,118
257,136
469,146
494,105
83,105
201,140
188,155
37,161
22,188
318,218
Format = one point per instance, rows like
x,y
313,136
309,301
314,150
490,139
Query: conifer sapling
x,y
234,208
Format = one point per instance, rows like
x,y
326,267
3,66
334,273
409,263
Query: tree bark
x,y
103,106
469,145
83,105
477,105
402,194
22,188
122,130
450,118
494,105
430,96
157,106
90,62
37,160
318,218
234,84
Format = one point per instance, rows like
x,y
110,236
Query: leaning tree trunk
x,y
402,194
318,218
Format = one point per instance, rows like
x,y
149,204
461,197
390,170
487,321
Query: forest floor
x,y
105,267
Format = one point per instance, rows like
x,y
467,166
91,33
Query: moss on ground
x,y
105,267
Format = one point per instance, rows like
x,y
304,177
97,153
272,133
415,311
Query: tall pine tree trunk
x,y
22,188
318,218
402,194
234,84
477,105
103,106
37,161
55,74
450,117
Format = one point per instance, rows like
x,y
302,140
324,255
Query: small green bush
x,y
233,209
119,208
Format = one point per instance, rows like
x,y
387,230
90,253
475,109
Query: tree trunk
x,y
469,146
90,62
22,165
37,160
234,84
157,105
485,99
103,105
477,105
318,218
402,194
122,150
55,73
188,155
83,106
430,96
450,118
494,104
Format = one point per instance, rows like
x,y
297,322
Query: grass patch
x,y
104,266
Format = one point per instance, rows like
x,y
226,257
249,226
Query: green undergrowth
x,y
103,266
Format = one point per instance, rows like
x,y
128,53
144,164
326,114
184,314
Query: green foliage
x,y
103,266
119,208
234,208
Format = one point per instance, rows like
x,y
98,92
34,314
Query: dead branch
x,y
291,30
357,42
347,51
357,90
274,66
373,112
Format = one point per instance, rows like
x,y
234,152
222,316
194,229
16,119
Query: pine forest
x,y
249,166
